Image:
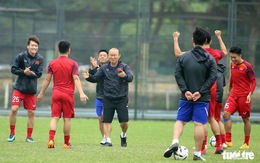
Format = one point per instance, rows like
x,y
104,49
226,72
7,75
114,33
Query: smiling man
x,y
28,67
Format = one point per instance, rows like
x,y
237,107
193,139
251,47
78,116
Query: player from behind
x,y
241,87
65,76
213,111
28,67
94,67
195,73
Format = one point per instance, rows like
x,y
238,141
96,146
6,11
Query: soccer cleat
x,y
65,146
224,145
219,150
103,141
123,142
229,144
107,144
51,144
30,140
198,158
11,138
244,146
170,150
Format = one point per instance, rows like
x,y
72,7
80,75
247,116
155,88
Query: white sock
x,y
175,141
123,135
108,140
197,153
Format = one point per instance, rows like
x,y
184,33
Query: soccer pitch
x,y
147,141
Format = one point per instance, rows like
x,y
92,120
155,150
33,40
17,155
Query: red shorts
x,y
62,105
218,109
213,103
239,104
29,100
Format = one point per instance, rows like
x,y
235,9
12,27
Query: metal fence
x,y
141,29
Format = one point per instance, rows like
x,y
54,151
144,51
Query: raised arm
x,y
177,50
221,43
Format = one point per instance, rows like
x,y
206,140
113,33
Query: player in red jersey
x,y
65,76
242,86
216,125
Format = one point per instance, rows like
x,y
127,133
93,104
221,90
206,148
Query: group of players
x,y
204,100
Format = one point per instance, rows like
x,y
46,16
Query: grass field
x,y
147,141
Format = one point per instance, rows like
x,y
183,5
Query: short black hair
x,y
34,39
235,49
200,36
103,50
63,46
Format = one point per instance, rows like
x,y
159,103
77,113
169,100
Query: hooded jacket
x,y
196,70
27,83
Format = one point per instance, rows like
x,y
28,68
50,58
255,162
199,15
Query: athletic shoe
x,y
170,150
123,142
30,140
224,145
107,144
65,146
198,158
244,146
11,138
229,144
219,150
103,141
51,144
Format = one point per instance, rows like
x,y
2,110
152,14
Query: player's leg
x,y
66,132
99,112
17,98
52,132
123,118
184,115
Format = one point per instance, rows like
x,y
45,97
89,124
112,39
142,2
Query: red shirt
x,y
218,55
63,69
242,79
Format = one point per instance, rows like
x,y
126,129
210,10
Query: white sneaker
x,y
103,141
224,145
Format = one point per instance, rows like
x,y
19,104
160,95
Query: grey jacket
x,y
114,86
196,70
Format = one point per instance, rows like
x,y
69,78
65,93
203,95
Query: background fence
x,y
141,29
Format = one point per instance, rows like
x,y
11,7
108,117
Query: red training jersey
x,y
242,79
63,69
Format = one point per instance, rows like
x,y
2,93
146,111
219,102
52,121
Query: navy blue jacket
x,y
27,83
114,86
196,70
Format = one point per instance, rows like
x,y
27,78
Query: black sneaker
x,y
107,144
198,158
170,150
123,142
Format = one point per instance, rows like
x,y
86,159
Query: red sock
x,y
247,140
228,137
67,139
223,138
218,140
52,134
29,132
12,129
204,143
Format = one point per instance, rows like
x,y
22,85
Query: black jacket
x,y
27,83
221,82
196,70
100,84
114,86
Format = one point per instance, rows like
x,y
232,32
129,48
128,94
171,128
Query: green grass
x,y
147,141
